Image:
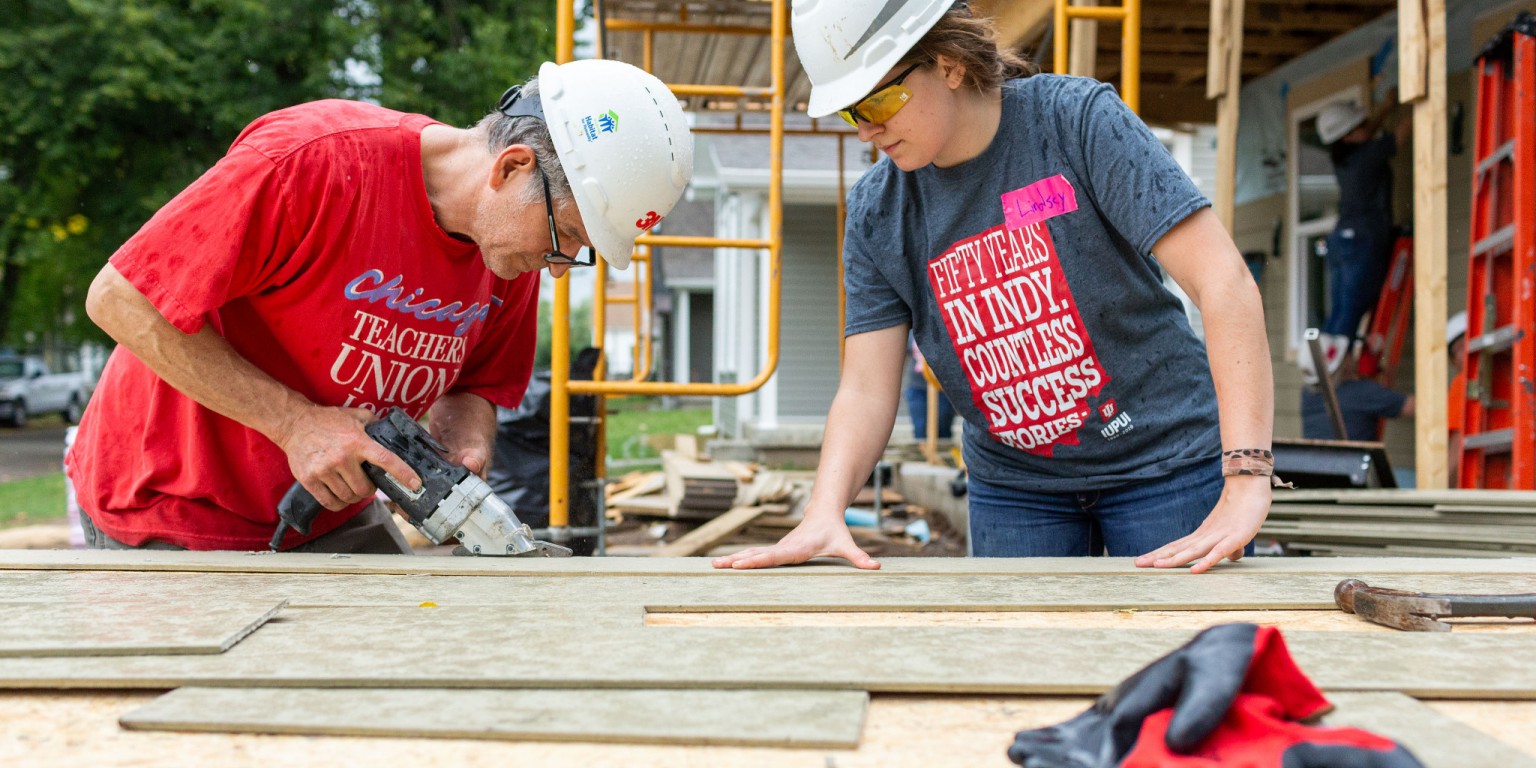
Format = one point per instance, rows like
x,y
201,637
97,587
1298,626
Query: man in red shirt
x,y
343,258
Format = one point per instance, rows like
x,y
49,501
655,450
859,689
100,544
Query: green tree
x,y
113,106
581,332
452,58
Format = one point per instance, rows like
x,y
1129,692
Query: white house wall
x,y
808,368
737,354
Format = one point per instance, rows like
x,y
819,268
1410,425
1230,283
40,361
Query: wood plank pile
x,y
1404,522
709,502
696,506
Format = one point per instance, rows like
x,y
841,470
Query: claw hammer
x,y
1419,612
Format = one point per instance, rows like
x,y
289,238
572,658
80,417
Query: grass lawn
x,y
33,500
638,428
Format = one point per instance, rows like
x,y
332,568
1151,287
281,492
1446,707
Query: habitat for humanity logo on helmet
x,y
593,125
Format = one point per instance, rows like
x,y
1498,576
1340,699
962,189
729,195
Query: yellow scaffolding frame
x,y
561,386
1129,16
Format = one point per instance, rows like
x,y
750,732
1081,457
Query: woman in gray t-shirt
x,y
1011,229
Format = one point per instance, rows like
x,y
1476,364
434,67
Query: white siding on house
x,y
736,350
808,369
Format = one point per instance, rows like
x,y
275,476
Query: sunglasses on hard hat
x,y
512,104
883,103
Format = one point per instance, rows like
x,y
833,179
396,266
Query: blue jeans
x,y
1358,261
917,409
1127,521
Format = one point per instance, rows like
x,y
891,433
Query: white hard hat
x,y
846,46
1456,327
1338,119
624,144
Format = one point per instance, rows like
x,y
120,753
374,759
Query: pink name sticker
x,y
1039,201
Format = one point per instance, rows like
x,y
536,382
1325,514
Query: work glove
x,y
1231,697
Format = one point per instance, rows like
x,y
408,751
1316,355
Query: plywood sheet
x,y
781,718
1512,722
81,728
341,647
1438,741
1291,621
304,562
708,592
179,624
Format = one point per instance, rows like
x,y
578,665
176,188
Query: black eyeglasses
x,y
514,104
555,256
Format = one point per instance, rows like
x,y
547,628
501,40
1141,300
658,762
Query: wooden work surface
x,y
956,631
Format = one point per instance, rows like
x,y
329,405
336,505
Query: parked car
x,y
27,389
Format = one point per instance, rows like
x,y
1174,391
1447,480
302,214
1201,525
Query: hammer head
x,y
1410,611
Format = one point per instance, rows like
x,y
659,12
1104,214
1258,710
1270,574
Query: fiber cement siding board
x,y
516,648
1401,496
768,718
178,622
891,592
314,563
808,366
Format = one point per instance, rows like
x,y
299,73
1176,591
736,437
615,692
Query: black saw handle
x,y
405,438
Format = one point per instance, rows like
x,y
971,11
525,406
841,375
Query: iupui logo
x,y
650,219
1108,410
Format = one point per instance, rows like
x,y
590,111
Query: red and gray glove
x,y
1231,697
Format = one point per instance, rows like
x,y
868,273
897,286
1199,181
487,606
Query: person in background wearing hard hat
x,y
341,259
1360,246
1012,226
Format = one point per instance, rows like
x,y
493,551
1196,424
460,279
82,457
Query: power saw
x,y
452,503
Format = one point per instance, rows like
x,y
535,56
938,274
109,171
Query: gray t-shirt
x,y
1027,277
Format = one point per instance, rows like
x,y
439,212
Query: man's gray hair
x,y
502,132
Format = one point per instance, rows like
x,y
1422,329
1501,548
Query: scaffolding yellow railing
x,y
1129,16
561,386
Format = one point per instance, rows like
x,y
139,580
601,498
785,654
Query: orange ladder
x,y
1383,348
1499,444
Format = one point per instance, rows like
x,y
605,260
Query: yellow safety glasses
x,y
882,104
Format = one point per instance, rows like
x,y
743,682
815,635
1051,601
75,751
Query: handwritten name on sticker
x,y
1039,201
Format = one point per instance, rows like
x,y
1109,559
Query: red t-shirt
x,y
312,248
